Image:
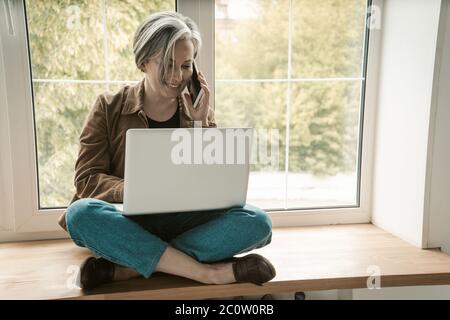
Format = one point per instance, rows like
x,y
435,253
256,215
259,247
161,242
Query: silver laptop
x,y
186,169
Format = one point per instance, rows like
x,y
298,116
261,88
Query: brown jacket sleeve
x,y
92,168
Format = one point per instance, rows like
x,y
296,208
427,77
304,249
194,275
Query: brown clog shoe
x,y
252,268
94,272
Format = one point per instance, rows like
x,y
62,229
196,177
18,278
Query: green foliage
x,y
327,42
67,42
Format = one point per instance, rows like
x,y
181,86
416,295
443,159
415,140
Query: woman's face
x,y
179,72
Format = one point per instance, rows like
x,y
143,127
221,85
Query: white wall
x,y
439,169
408,48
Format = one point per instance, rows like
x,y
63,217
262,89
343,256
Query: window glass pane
x,y
261,106
86,44
327,38
249,36
65,39
323,144
60,112
326,41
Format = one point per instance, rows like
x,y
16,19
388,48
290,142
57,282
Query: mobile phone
x,y
194,87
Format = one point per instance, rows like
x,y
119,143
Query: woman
x,y
190,245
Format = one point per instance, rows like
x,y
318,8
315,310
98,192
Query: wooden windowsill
x,y
306,259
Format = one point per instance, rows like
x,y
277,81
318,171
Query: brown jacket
x,y
99,169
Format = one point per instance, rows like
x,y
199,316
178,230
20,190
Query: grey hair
x,y
158,34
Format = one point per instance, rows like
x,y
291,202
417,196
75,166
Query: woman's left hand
x,y
201,112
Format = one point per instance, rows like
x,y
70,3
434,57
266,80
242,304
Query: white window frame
x,y
20,217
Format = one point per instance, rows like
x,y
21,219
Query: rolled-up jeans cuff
x,y
147,269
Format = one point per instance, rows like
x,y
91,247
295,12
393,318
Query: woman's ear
x,y
144,67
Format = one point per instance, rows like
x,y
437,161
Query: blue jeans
x,y
138,242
